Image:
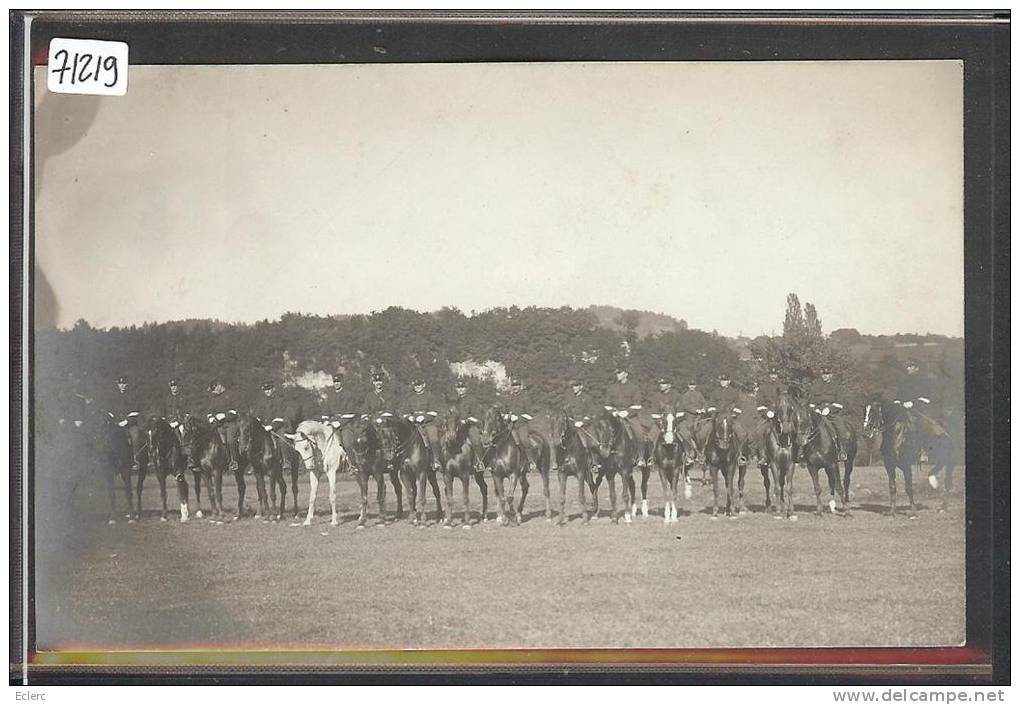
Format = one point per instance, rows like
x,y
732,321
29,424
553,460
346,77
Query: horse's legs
x,y
283,495
363,494
294,470
742,472
380,495
313,484
434,481
611,484
331,477
241,486
667,509
407,482
260,488
497,482
908,483
197,476
848,468
112,492
398,490
138,490
274,476
448,490
766,480
715,490
524,495
890,470
818,489
629,490
465,482
645,472
218,480
125,476
511,509
483,488
561,475
161,478
545,490
182,495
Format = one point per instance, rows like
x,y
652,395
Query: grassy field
x,y
751,581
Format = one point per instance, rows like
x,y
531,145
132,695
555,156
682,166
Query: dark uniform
x,y
665,402
173,408
125,407
829,400
340,408
581,408
913,387
424,407
519,407
624,396
378,402
469,410
693,404
768,392
727,400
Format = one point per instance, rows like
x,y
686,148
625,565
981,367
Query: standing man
x,y
469,410
519,407
628,402
826,398
421,407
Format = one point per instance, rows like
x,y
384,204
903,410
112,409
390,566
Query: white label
x,y
87,67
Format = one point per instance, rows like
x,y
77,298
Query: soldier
x,y
693,404
826,398
421,407
72,402
914,393
124,408
173,404
519,406
769,391
668,401
581,409
913,387
339,409
377,399
268,411
724,399
469,410
627,401
221,412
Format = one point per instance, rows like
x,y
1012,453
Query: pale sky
x,y
706,191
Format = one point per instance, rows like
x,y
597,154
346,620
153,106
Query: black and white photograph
x,y
515,355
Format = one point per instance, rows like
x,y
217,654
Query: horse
x,y
619,450
459,463
404,448
572,460
670,460
507,460
206,455
900,433
319,448
722,454
780,449
166,456
105,448
263,450
366,457
819,452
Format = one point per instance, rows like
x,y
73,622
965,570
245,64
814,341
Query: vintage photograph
x,y
500,356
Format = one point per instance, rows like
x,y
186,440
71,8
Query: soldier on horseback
x,y
378,400
627,402
469,411
667,400
693,404
519,407
914,393
339,409
124,408
173,404
581,408
828,398
421,407
725,399
769,390
221,412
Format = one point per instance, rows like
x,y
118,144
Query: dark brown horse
x,y
780,451
669,456
819,452
405,449
619,449
722,454
459,463
165,459
366,457
507,461
572,460
207,458
260,451
105,449
900,433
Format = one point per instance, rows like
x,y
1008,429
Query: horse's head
x,y
494,424
874,417
785,420
366,439
308,440
560,428
667,422
722,430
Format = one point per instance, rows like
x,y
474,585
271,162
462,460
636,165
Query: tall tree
x,y
793,324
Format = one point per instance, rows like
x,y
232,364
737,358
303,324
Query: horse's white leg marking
x,y
184,512
313,483
331,476
832,506
644,508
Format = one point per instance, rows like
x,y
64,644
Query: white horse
x,y
321,453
